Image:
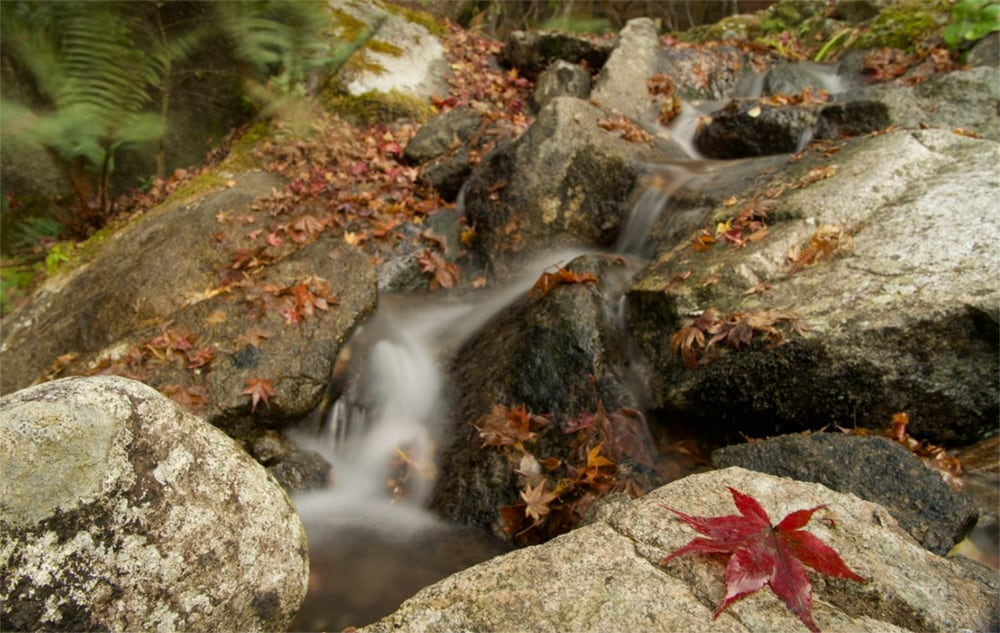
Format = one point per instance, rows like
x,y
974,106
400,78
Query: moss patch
x,y
379,107
906,25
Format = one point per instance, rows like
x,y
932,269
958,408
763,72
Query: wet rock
x,y
608,576
872,468
442,135
122,512
851,118
554,354
564,181
749,128
903,315
561,79
532,52
292,467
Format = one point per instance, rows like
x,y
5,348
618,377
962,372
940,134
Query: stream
x,y
373,545
372,542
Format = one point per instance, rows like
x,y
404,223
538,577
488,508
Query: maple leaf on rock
x,y
764,554
259,390
537,501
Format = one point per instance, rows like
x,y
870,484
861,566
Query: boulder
x,y
533,52
157,310
607,576
966,99
622,83
564,181
561,79
122,512
748,128
556,354
872,468
141,275
903,315
714,71
409,59
442,135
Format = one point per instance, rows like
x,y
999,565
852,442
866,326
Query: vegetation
x,y
87,82
971,21
104,73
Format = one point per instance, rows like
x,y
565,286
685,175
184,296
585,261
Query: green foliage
x,y
972,20
59,253
104,73
906,25
285,42
95,84
15,280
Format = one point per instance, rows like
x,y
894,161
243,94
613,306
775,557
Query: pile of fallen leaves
x,y
701,340
604,451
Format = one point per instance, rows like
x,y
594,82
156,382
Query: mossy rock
x,y
906,25
375,106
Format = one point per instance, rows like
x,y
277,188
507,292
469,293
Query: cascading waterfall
x,y
393,409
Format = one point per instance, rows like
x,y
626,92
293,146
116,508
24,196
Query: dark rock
x,y
447,174
561,79
985,52
749,128
549,353
851,118
442,135
855,11
533,52
872,468
563,182
122,512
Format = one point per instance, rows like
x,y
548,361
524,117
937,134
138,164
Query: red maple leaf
x,y
259,390
763,554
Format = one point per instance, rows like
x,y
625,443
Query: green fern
x,y
96,83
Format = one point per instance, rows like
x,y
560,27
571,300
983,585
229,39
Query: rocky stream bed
x,y
588,310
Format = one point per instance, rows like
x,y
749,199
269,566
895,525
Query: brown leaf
x,y
259,390
537,501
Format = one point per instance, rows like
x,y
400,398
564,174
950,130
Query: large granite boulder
x,y
880,251
189,299
122,512
607,576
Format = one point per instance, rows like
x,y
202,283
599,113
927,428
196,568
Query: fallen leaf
x,y
764,554
259,390
537,501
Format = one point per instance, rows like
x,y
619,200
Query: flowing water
x,y
372,544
